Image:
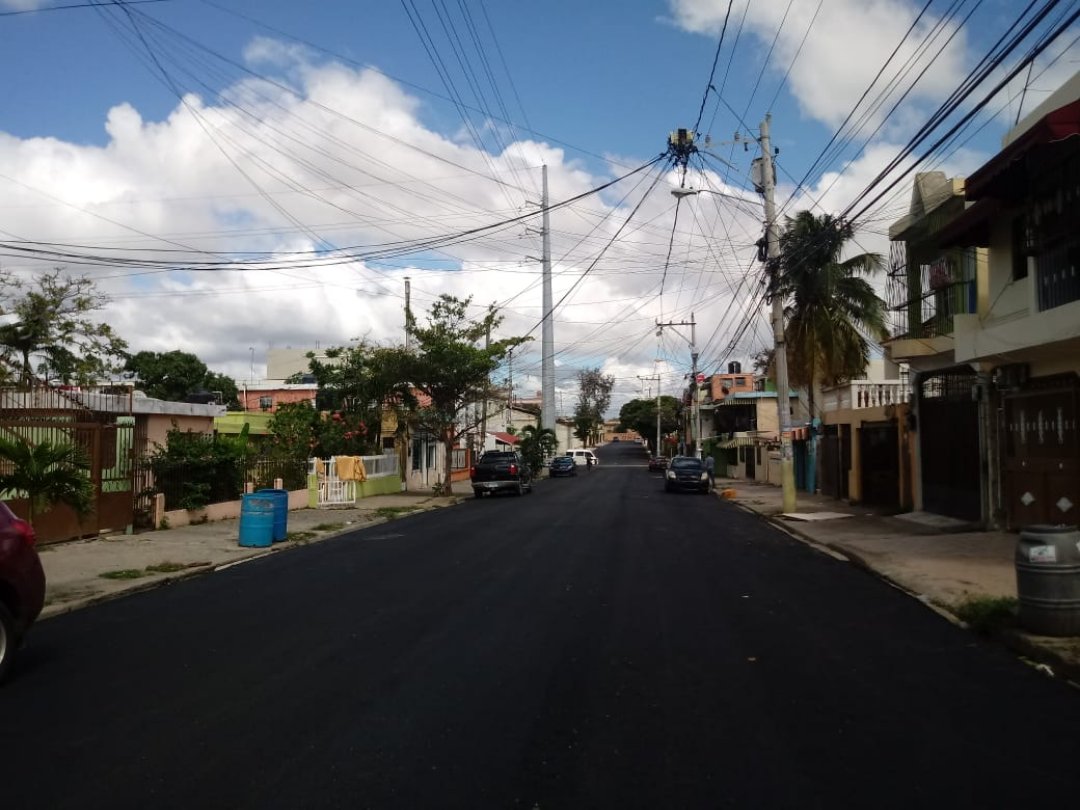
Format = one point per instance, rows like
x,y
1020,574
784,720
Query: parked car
x,y
562,465
583,457
22,584
657,463
498,471
686,473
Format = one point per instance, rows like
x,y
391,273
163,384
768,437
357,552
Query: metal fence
x,y
192,484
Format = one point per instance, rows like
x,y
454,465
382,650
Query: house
x,y
269,395
1016,347
116,427
744,426
930,287
865,443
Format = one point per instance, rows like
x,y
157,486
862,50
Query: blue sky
x,y
97,151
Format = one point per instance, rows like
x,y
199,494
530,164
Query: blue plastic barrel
x,y
281,511
256,520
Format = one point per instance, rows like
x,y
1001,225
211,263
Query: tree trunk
x,y
448,444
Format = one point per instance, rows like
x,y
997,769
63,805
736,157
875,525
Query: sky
x,y
239,175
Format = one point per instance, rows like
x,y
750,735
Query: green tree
x,y
294,431
451,364
175,375
594,398
358,382
536,444
831,308
55,324
48,473
640,415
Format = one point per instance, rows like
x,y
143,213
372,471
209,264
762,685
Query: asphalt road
x,y
596,644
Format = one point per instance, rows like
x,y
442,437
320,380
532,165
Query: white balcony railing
x,y
865,394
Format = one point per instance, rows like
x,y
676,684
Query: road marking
x,y
241,562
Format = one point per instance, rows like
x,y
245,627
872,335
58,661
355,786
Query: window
x,y
740,382
1022,246
266,403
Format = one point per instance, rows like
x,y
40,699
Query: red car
x,y
657,463
22,584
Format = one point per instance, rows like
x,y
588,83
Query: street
x,y
598,643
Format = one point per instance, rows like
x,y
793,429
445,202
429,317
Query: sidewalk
x,y
934,559
82,572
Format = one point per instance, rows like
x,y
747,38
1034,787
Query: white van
x,y
583,457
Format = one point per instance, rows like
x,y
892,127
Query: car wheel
x,y
477,493
520,489
8,642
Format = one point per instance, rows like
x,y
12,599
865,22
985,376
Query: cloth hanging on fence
x,y
350,468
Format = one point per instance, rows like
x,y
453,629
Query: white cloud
x,y
849,40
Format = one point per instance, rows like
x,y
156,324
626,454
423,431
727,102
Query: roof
x,y
505,438
1055,126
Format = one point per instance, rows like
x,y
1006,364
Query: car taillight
x,y
513,469
25,531
472,471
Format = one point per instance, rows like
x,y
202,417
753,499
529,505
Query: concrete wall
x,y
158,426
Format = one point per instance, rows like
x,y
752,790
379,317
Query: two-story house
x,y
996,363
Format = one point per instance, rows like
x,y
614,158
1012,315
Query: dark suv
x,y
22,584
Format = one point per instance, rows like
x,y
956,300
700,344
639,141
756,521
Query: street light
x,y
679,193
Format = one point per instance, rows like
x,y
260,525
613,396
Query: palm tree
x,y
48,472
833,311
536,444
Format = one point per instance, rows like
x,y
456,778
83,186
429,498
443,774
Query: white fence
x,y
863,394
333,491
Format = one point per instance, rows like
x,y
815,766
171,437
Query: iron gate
x,y
948,428
879,451
1042,453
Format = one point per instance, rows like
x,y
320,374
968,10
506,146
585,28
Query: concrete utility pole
x,y
547,367
650,379
772,242
695,418
408,289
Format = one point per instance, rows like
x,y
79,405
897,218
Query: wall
x,y
158,426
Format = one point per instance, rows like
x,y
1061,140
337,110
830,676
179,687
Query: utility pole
x,y
650,379
487,396
547,362
408,289
695,418
772,241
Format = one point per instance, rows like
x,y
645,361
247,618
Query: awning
x,y
1062,123
505,438
738,441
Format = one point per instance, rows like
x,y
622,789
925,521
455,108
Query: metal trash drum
x,y
1048,580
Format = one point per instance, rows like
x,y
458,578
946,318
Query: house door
x,y
879,451
948,428
835,446
751,467
1041,453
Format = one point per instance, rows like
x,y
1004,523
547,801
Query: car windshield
x,y
686,463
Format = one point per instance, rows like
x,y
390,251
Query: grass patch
x,y
124,573
328,527
299,537
172,567
988,614
391,512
